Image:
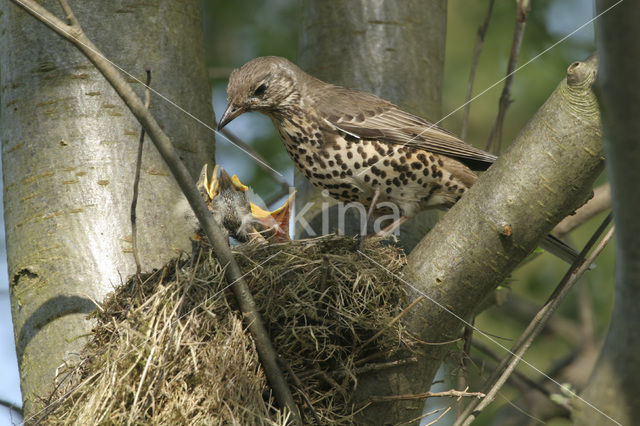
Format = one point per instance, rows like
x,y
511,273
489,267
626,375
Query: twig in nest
x,y
301,388
393,321
72,31
495,137
132,413
167,350
477,49
367,368
450,393
136,183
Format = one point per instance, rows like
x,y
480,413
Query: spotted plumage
x,y
353,143
350,142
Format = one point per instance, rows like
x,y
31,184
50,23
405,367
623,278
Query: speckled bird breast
x,y
350,168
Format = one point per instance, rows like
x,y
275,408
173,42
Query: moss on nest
x,y
174,350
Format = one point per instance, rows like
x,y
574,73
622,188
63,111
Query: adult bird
x,y
358,146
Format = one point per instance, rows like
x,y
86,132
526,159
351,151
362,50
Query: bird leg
x,y
393,226
372,206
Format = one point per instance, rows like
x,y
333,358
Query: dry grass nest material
x,y
174,350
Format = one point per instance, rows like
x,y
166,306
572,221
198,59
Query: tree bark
x,y
616,378
547,172
392,49
69,149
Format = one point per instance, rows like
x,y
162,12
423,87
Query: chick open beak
x,y
230,113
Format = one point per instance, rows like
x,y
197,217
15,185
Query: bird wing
x,y
367,116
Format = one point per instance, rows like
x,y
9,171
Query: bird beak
x,y
230,113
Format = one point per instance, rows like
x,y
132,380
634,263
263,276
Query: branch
x,y
524,6
11,406
600,202
537,324
136,185
477,49
517,375
522,310
75,35
465,256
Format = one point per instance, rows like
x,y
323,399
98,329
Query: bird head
x,y
229,204
264,84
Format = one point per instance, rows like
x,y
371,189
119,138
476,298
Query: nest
x,y
173,350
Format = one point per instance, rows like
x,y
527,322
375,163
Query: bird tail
x,y
559,249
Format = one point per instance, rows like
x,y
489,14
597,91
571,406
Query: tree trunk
x,y
392,49
69,149
616,378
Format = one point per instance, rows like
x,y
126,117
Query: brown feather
x,y
370,117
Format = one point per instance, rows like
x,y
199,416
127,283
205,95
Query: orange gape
x,y
226,198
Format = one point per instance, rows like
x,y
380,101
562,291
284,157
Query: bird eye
x,y
260,90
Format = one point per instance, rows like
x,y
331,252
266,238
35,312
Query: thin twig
x,y
367,368
11,406
495,137
71,17
464,356
450,393
516,374
477,49
585,310
74,34
393,321
145,370
522,310
600,202
136,183
301,389
537,324
160,375
439,417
